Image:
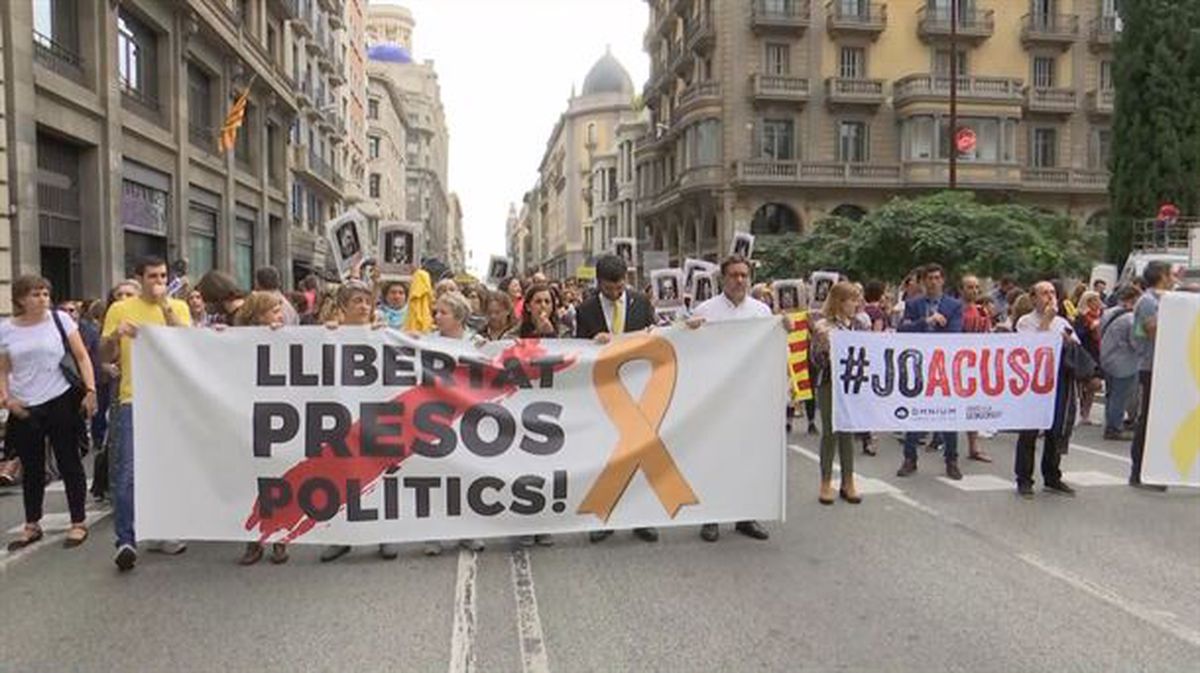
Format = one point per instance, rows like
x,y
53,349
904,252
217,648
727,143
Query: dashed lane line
x,y
534,658
462,638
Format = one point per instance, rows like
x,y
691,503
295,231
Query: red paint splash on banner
x,y
369,469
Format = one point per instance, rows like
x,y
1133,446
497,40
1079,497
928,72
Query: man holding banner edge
x,y
614,310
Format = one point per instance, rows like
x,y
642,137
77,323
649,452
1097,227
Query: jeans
x,y
1139,435
121,469
1117,392
1026,447
950,439
59,421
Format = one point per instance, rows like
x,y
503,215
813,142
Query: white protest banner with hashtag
x,y
943,382
356,436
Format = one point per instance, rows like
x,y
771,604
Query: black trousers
x,y
58,421
1026,447
1138,448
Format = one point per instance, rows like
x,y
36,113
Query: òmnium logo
x,y
901,413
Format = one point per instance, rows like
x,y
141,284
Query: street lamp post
x,y
953,94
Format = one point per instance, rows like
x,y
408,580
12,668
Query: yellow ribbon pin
x,y
1185,447
638,421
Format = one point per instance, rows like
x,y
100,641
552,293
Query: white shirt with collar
x,y
1031,322
720,309
609,306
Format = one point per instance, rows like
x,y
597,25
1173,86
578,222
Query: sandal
x,y
76,536
981,457
30,535
252,555
279,553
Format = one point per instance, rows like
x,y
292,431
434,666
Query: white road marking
x,y
1092,478
866,485
462,638
979,482
534,658
1164,621
53,536
1102,454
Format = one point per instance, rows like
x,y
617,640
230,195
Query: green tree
x,y
950,228
1156,127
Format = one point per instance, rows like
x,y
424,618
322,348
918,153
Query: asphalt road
x,y
925,575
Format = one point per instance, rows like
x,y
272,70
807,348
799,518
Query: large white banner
x,y
358,436
1172,454
952,382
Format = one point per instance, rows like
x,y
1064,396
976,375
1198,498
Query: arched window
x,y
849,211
773,219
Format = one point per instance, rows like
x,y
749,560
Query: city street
x,y
925,575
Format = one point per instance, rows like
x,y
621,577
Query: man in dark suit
x,y
933,312
614,310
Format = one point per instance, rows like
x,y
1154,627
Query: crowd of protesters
x,y
87,407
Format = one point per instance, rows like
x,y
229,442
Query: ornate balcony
x,y
701,34
925,87
847,91
697,95
1050,29
779,88
870,19
973,25
1103,33
771,172
792,16
57,57
1052,100
1100,102
1059,179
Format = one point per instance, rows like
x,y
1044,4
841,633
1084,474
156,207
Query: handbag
x,y
68,364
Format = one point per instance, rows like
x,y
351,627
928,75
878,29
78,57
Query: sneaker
x,y
907,468
1059,487
433,549
169,547
812,429
544,540
334,552
709,532
526,540
473,544
1025,491
389,551
1137,483
952,470
126,557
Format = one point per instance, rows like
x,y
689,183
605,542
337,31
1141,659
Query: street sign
x,y
964,139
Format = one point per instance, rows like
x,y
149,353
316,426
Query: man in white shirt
x,y
1044,318
734,303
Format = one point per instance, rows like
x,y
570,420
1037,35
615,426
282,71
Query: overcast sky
x,y
506,68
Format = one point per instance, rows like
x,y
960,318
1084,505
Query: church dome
x,y
388,52
607,76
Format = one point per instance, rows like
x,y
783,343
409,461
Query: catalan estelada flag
x,y
233,122
797,341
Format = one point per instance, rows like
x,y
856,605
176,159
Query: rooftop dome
x,y
388,52
607,76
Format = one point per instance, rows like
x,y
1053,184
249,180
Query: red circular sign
x,y
964,139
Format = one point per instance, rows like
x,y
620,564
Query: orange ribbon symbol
x,y
639,447
1185,446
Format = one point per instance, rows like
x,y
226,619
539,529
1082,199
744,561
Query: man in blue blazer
x,y
934,312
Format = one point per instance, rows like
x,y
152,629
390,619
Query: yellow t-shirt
x,y
138,312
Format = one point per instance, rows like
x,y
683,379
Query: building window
x,y
920,137
144,208
591,134
1045,148
852,142
372,108
243,252
373,144
778,139
272,152
297,203
1106,75
589,239
853,63
1044,71
137,67
989,147
56,29
778,59
941,63
202,240
200,125
1102,148
374,188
